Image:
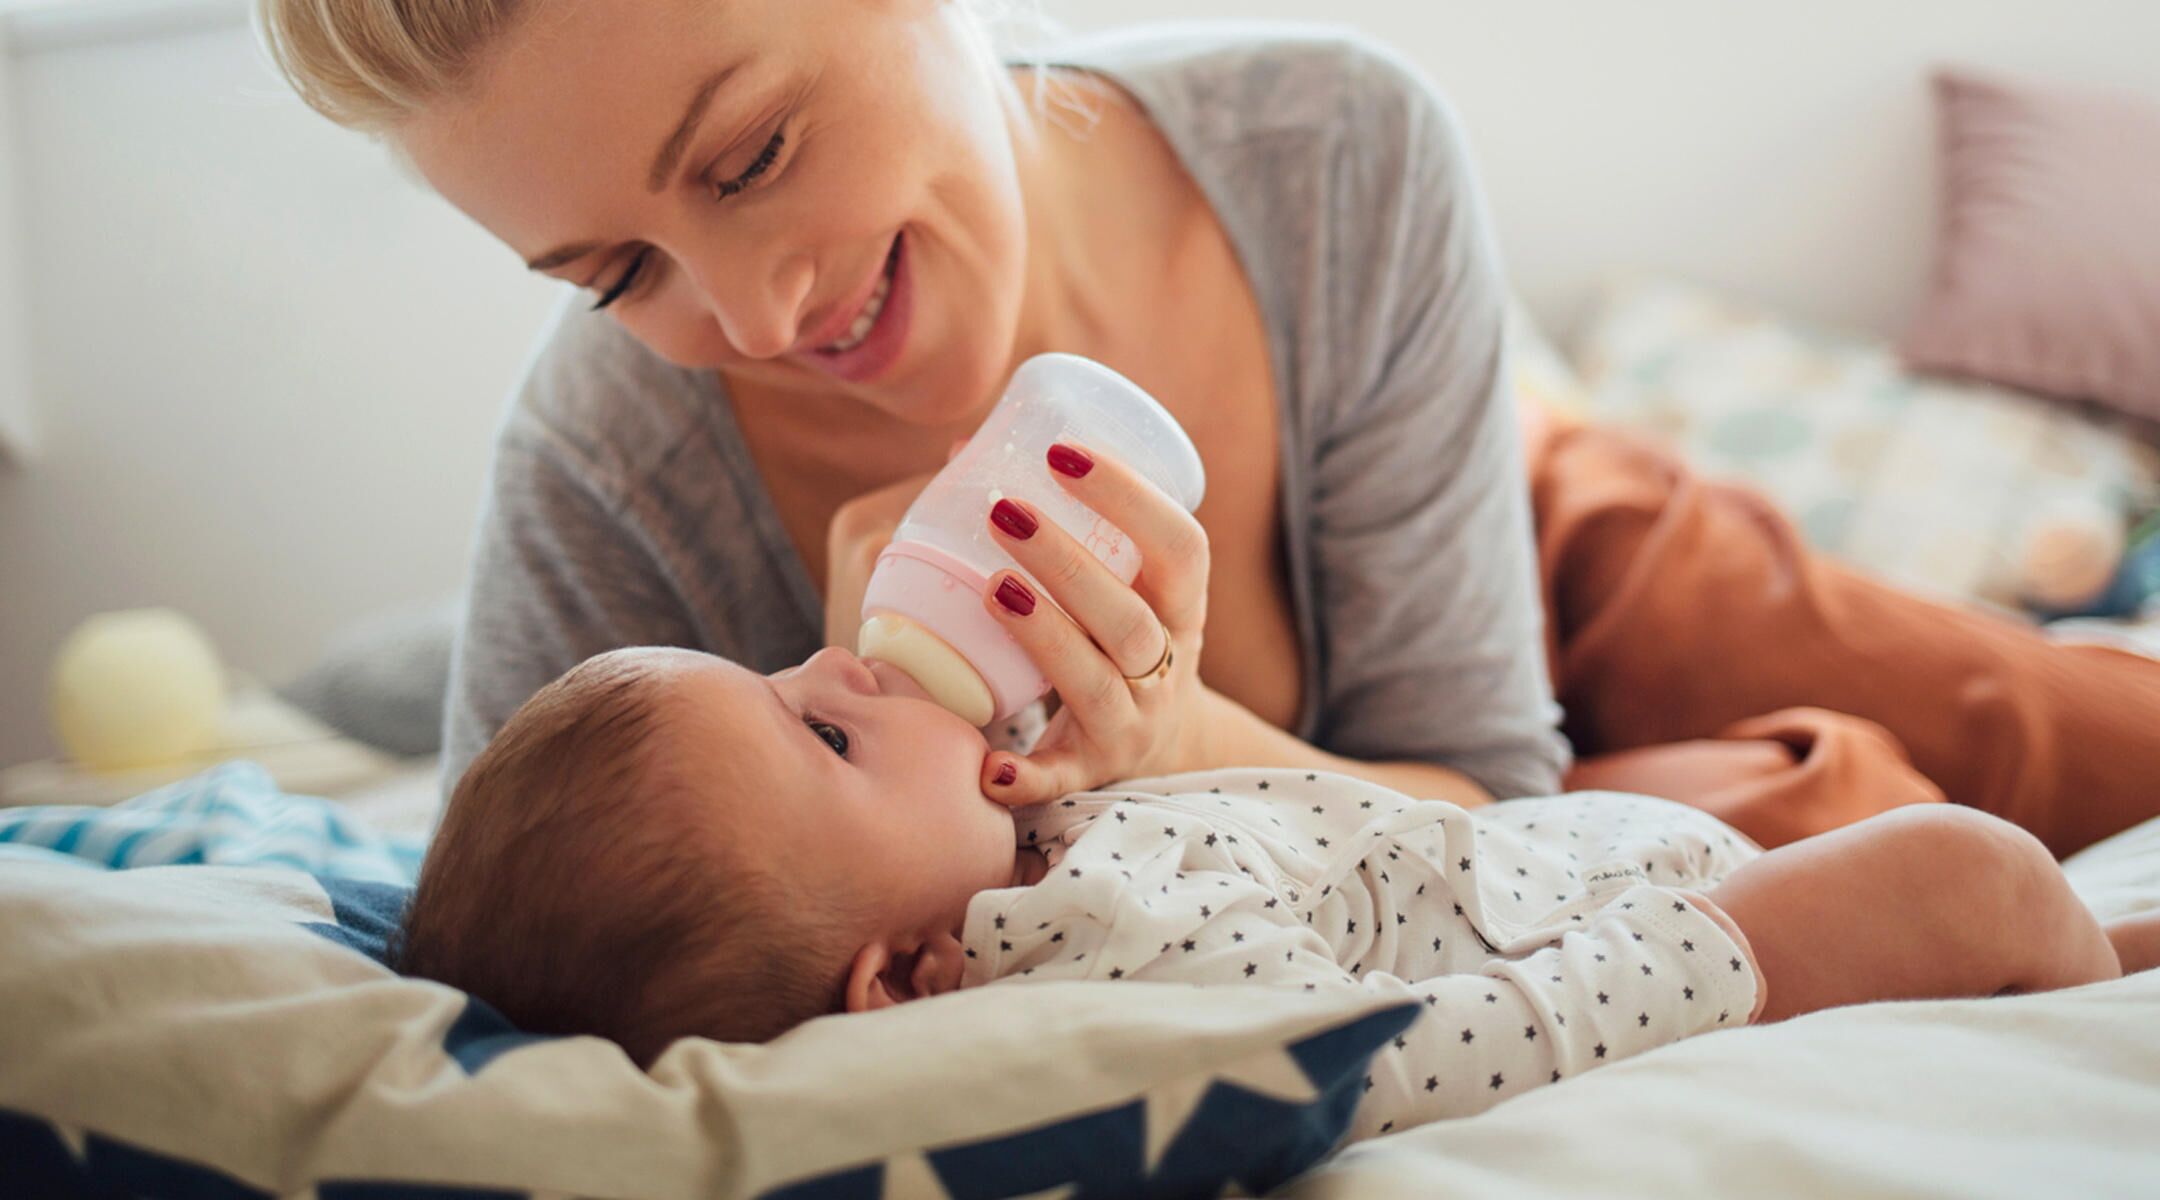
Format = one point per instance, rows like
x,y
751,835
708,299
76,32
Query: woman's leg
x,y
1930,901
1678,608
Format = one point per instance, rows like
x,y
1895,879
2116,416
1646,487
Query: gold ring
x,y
1154,675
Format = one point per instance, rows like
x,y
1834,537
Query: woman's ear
x,y
879,977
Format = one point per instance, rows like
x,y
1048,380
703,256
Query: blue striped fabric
x,y
230,815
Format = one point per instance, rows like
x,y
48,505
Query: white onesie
x,y
1543,935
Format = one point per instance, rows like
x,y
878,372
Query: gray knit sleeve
x,y
1422,532
559,573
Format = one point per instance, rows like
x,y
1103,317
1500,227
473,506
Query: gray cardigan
x,y
624,508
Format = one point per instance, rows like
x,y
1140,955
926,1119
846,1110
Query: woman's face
x,y
807,195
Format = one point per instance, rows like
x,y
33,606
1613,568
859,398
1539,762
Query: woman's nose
x,y
758,301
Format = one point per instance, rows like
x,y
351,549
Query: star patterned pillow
x,y
194,1031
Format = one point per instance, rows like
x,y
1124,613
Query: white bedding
x,y
133,997
2050,1095
2039,1095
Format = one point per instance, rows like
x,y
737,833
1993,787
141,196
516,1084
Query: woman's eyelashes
x,y
721,190
623,284
832,734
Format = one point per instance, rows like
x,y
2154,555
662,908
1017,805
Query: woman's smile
x,y
859,343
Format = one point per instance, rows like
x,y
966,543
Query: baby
x,y
756,851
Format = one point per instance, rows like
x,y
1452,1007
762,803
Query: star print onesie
x,y
1543,936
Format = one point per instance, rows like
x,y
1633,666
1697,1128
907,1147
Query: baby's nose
x,y
837,664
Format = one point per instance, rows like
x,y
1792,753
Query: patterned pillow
x,y
1929,484
2047,272
232,1032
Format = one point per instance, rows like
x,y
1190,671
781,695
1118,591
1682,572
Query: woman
x,y
821,233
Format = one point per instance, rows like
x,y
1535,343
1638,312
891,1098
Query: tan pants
x,y
1704,654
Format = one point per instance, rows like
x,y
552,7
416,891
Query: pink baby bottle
x,y
923,612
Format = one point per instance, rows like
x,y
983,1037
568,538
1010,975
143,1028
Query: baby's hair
x,y
576,887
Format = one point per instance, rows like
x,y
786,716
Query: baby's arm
x,y
1920,902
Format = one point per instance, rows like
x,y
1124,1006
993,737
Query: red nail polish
x,y
1013,519
1005,775
1015,597
1067,461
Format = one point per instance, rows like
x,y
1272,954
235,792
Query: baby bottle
x,y
923,612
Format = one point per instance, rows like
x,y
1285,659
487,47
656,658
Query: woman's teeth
x,y
867,318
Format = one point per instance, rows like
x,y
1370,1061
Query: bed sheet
x,y
2048,1095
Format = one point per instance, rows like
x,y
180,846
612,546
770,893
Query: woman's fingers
x,y
1040,778
1110,613
1088,685
1173,546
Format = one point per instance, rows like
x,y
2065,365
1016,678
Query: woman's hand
x,y
1101,643
858,532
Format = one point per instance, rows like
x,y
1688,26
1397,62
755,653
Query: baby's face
x,y
843,775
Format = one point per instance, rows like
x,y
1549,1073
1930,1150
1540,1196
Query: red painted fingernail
x,y
1015,597
1013,519
1005,775
1067,461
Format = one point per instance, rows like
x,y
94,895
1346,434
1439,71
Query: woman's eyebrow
x,y
671,152
561,255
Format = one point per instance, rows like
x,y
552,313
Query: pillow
x,y
2047,271
383,681
232,1031
1928,484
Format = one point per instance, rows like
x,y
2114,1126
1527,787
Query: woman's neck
x,y
1090,217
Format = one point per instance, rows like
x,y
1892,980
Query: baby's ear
x,y
878,978
883,974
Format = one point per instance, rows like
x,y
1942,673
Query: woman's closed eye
x,y
721,190
833,735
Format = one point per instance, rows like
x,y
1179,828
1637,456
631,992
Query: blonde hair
x,y
371,65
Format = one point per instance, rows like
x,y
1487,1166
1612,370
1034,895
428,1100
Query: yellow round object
x,y
136,689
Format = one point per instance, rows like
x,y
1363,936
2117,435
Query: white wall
x,y
266,367
1785,149
17,435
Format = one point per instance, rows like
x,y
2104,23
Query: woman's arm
x,y
1232,736
558,574
1423,551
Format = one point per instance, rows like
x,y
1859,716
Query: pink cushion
x,y
2047,273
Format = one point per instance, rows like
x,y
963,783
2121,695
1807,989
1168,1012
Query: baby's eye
x,y
834,736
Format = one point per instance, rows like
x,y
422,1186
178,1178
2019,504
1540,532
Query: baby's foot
x,y
2137,941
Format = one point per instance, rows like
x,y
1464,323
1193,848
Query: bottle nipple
x,y
941,670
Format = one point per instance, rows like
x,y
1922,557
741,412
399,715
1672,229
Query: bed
x,y
195,1002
